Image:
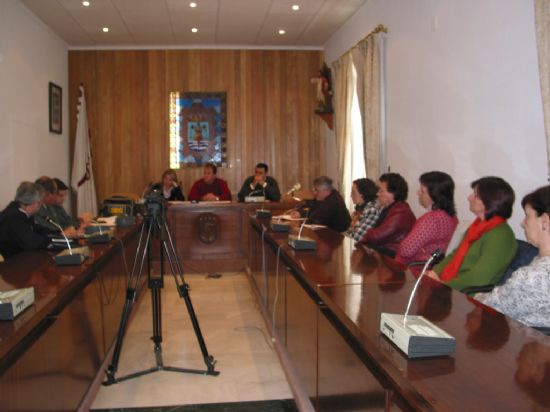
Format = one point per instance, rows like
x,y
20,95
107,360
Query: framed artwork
x,y
198,129
55,105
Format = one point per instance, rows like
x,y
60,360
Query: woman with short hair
x,y
363,196
396,218
434,229
525,295
489,244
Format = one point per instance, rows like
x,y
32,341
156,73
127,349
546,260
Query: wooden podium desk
x,y
51,353
213,236
323,310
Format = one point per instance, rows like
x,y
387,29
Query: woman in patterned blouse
x,y
434,229
526,294
363,195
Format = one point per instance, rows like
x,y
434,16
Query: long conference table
x,y
323,307
52,353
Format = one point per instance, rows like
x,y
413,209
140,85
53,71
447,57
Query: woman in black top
x,y
169,186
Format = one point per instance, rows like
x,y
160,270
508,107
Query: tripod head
x,y
155,205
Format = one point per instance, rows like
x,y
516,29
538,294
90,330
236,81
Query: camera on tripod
x,y
155,204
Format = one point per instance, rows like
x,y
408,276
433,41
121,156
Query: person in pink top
x,y
434,229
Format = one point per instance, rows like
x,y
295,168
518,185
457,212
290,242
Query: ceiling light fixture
x,y
295,7
85,3
105,29
281,31
192,4
194,30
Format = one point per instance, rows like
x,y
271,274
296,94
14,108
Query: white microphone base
x,y
418,338
254,199
78,256
301,243
13,302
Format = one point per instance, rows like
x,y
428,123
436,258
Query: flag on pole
x,y
82,176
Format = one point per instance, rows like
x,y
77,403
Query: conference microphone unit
x,y
255,199
98,236
69,256
416,336
298,242
261,213
280,226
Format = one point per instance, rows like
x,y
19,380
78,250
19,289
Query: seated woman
x,y
396,218
169,186
434,229
489,244
526,294
363,195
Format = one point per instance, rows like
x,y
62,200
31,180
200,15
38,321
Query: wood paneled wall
x,y
270,104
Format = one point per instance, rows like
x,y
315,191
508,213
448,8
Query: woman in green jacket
x,y
489,244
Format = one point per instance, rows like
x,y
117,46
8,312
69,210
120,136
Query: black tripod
x,y
155,224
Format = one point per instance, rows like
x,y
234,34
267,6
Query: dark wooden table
x,y
326,319
213,236
51,353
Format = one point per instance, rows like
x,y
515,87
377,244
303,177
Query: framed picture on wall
x,y
56,120
198,129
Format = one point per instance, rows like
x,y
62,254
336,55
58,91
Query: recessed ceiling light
x,y
194,30
295,7
85,3
192,4
281,31
105,29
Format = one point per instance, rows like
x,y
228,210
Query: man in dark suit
x,y
260,185
18,232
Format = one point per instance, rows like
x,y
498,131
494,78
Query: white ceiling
x,y
168,23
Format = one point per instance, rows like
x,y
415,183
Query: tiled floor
x,y
234,333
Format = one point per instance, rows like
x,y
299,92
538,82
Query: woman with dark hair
x,y
363,195
525,295
396,218
434,229
489,244
169,186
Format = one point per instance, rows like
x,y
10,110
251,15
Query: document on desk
x,y
109,221
288,217
314,227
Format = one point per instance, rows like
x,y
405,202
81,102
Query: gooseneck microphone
x,y
63,258
416,336
297,186
435,255
54,223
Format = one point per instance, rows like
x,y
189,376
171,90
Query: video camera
x,y
155,203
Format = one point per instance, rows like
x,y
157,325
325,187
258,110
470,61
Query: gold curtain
x,y
368,58
342,70
542,22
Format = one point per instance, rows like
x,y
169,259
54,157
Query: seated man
x,y
59,214
18,232
47,211
328,208
260,185
209,188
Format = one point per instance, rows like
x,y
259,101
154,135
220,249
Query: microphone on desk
x,y
416,336
263,213
99,237
297,186
68,257
302,243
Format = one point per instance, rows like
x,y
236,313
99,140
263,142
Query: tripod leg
x,y
183,291
131,293
156,286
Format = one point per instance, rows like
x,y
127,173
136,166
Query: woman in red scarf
x,y
489,244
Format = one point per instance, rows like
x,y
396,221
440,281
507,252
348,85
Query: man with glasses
x,y
328,208
18,232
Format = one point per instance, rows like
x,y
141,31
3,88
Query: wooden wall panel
x,y
270,103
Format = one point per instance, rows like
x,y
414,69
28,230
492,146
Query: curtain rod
x,y
378,29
